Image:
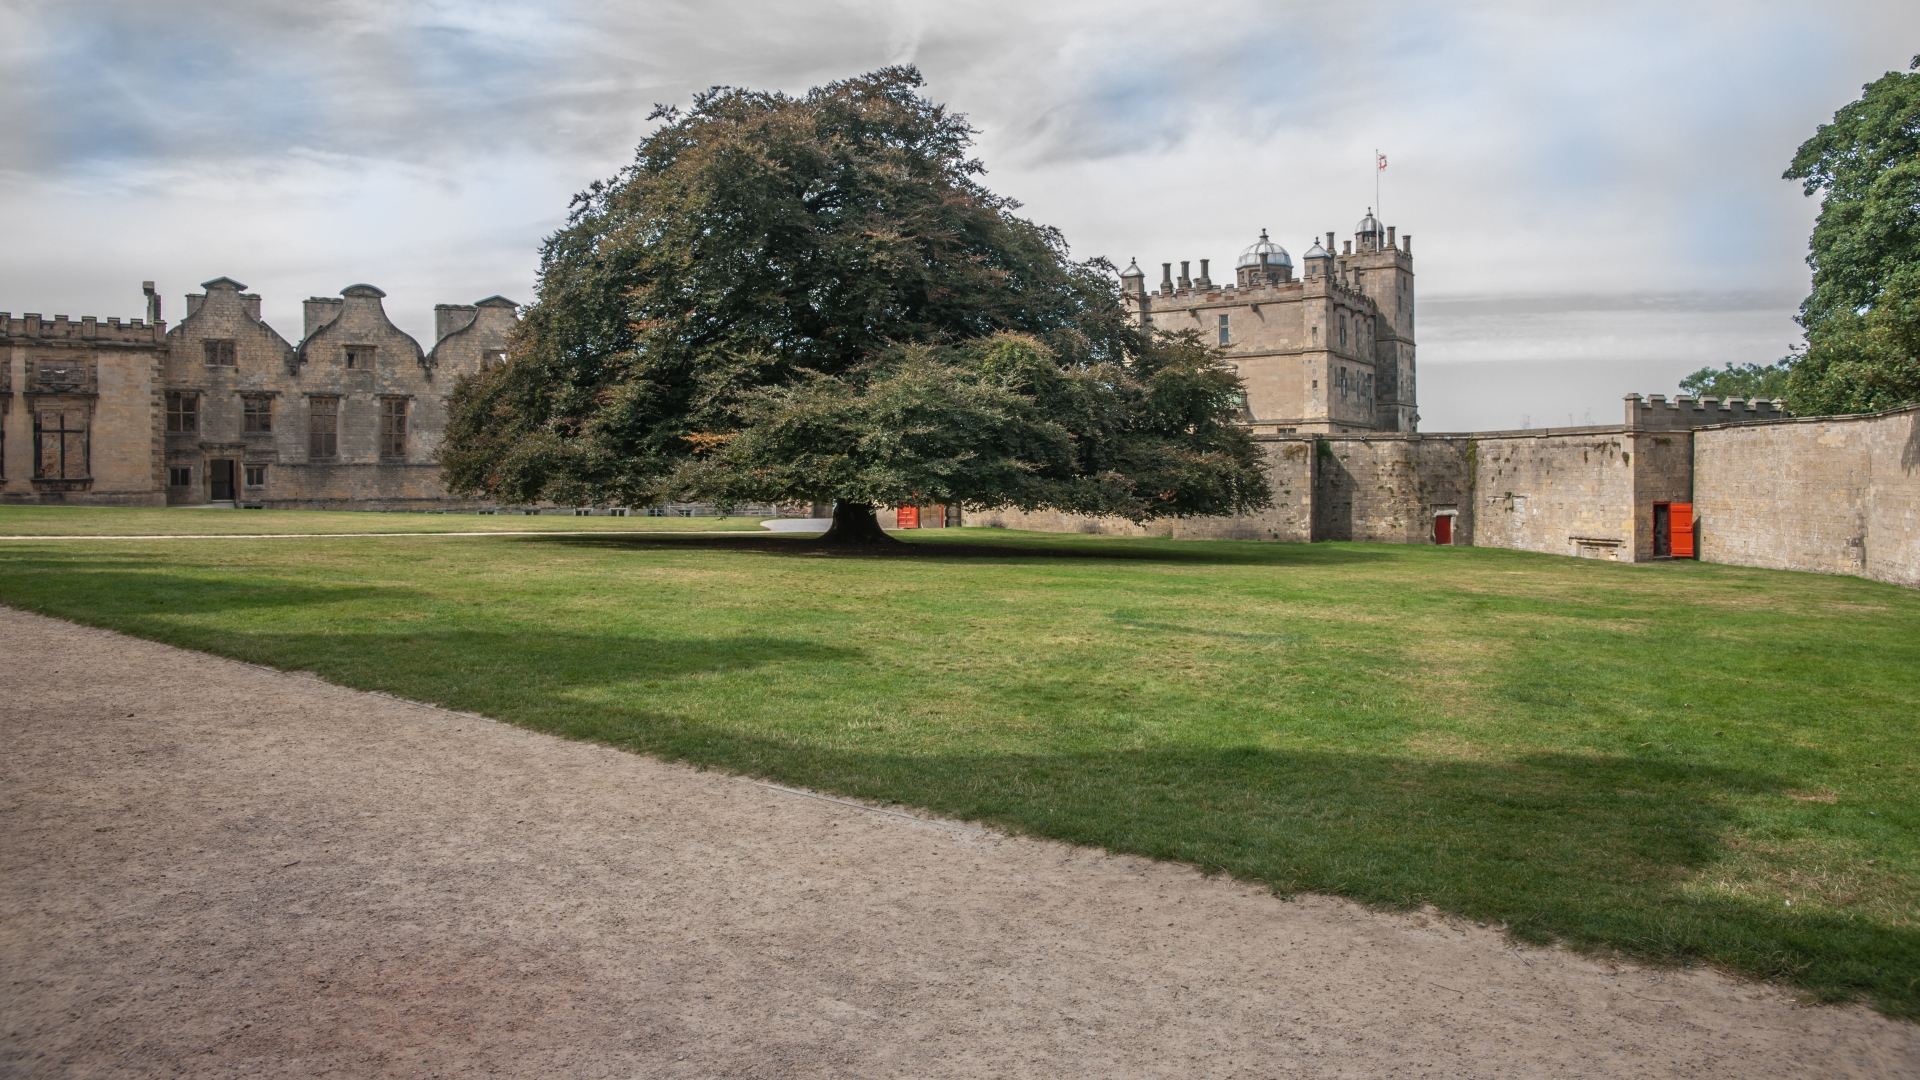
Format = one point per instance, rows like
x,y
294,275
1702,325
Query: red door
x,y
1680,526
908,517
1443,529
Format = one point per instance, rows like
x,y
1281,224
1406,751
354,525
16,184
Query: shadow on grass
x,y
1013,547
128,585
1593,848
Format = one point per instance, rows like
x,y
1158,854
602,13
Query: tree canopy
x,y
815,299
1741,381
1863,338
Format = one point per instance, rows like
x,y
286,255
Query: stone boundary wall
x,y
1833,495
1290,467
1587,492
1387,488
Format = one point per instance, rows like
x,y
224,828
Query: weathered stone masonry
x,y
222,408
1837,495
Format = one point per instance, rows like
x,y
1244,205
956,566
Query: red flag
x,y
1383,160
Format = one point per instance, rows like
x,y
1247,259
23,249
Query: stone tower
x,y
1330,351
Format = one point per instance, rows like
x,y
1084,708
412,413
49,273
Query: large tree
x,y
815,299
1863,315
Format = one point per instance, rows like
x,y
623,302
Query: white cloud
x,y
1627,150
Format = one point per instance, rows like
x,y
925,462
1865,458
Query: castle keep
x,y
1328,352
224,410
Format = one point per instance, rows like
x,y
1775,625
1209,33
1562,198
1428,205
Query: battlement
x,y
32,327
1684,413
1256,294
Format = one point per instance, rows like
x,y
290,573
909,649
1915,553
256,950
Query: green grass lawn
x,y
178,520
1679,761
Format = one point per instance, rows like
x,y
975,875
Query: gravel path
x,y
210,869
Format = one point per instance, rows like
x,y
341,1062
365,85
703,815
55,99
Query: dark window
x,y
256,476
323,427
360,357
183,411
180,476
1343,382
1343,330
256,414
393,427
60,444
219,353
1225,334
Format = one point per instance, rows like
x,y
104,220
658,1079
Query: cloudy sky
x,y
1594,189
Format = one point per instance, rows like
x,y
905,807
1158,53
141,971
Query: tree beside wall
x,y
1862,317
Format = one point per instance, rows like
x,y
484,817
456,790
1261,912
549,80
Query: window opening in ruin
x,y
219,353
360,357
393,427
323,427
60,444
180,476
256,414
1226,337
220,480
183,412
256,476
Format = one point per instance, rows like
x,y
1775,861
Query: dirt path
x,y
209,869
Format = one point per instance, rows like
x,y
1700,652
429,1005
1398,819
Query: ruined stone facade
x,y
1329,352
223,409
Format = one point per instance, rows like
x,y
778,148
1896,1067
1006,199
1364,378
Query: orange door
x,y
1680,522
909,517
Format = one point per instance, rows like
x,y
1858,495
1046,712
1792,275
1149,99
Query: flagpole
x,y
1377,207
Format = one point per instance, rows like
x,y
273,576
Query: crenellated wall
x,y
1656,413
96,385
1836,495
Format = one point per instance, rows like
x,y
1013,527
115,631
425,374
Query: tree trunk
x,y
854,524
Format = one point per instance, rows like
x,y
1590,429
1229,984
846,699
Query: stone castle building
x,y
1328,352
222,409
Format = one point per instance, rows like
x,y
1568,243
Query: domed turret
x,y
1264,263
1319,261
1369,235
1133,280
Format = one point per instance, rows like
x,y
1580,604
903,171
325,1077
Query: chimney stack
x,y
1391,242
1166,278
1185,281
153,303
